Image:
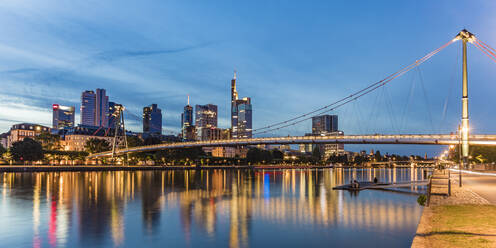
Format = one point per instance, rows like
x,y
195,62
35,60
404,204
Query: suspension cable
x,y
138,118
426,99
485,49
487,46
351,97
443,122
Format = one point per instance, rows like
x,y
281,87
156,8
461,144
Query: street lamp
x,y
460,152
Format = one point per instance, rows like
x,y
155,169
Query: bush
x,y
422,199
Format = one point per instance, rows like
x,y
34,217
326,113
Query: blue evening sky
x,y
291,57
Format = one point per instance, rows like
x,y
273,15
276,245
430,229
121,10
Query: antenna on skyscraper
x,y
188,99
234,74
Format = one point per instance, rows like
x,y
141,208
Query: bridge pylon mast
x,y
465,36
120,138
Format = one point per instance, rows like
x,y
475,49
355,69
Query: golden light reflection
x,y
283,197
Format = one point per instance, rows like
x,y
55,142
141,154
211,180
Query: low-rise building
x,y
224,152
74,139
25,130
215,133
189,133
4,139
283,147
326,150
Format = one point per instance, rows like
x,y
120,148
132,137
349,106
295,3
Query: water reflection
x,y
238,208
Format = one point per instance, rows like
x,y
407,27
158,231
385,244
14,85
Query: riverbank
x,y
54,168
464,219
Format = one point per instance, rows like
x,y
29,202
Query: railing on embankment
x,y
439,184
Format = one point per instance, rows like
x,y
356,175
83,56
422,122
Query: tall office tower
x,y
111,118
187,121
88,102
241,114
327,125
152,119
234,98
102,108
63,116
324,124
205,117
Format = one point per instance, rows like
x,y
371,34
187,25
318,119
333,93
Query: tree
x,y
7,156
377,156
276,154
359,159
48,141
266,156
152,140
69,155
27,150
316,154
2,150
134,141
478,154
95,145
254,155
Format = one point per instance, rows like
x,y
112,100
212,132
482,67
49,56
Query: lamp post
x,y
460,154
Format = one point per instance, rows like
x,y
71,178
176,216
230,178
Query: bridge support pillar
x,y
465,36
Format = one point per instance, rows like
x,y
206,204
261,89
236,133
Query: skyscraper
x,y
88,102
152,119
102,109
327,125
324,124
95,108
241,114
187,122
205,117
63,116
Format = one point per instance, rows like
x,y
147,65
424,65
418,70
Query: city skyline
x,y
247,123
95,56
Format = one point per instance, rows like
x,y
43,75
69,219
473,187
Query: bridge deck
x,y
415,139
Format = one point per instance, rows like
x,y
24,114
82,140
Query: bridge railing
x,y
427,139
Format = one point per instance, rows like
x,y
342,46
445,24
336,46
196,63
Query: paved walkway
x,y
485,186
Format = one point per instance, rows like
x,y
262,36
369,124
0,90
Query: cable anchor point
x,y
465,35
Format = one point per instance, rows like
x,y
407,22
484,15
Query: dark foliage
x,y
27,150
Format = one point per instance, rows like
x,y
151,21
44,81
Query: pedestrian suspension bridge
x,y
460,137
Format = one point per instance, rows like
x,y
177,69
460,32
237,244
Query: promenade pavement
x,y
483,185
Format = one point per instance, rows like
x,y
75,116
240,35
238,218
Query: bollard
x,y
429,192
449,186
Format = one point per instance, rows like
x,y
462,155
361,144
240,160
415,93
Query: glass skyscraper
x,y
152,119
88,99
102,108
241,114
205,117
324,124
63,116
94,108
187,123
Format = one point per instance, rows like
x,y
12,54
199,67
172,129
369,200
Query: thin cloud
x,y
21,71
122,54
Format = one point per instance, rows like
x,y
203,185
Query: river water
x,y
205,208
